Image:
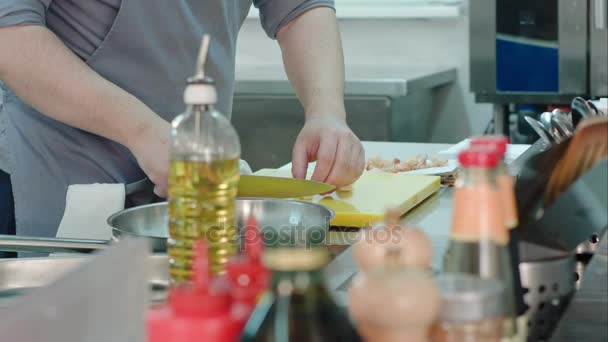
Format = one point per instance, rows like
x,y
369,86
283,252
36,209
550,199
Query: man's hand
x,y
337,150
150,145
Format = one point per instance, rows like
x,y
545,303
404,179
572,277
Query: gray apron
x,y
149,51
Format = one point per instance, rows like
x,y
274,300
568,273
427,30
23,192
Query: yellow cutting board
x,y
371,195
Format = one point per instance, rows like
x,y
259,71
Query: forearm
x,y
38,67
313,58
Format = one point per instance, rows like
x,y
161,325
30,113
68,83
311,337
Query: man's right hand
x,y
64,88
150,145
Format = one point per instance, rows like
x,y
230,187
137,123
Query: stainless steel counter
x,y
384,81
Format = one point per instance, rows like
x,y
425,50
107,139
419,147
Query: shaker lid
x,y
499,142
295,259
467,298
479,156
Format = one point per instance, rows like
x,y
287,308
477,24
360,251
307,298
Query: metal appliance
x,y
537,52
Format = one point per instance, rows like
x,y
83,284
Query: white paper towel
x,y
87,209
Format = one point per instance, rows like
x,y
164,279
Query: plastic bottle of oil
x,y
203,179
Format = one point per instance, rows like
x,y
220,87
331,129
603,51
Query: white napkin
x,y
87,207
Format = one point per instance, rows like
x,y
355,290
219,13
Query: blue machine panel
x,y
526,66
527,40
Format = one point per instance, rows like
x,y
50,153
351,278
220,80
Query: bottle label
x,y
506,185
477,215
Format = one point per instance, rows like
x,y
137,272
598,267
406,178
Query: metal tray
x,y
19,276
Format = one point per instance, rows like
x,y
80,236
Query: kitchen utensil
x,y
561,126
562,122
549,277
252,186
576,216
580,110
279,187
588,146
593,108
545,119
284,218
372,195
533,173
540,129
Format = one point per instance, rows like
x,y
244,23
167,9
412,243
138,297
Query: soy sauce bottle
x,y
297,306
479,239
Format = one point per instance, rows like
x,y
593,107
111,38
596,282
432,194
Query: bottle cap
x,y
295,259
499,142
467,298
204,297
479,156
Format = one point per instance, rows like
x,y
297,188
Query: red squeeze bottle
x,y
247,276
202,311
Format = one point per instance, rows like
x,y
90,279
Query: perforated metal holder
x,y
549,278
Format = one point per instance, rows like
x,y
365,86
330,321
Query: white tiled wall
x,y
393,42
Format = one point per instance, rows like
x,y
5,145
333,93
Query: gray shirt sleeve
x,y
23,12
276,13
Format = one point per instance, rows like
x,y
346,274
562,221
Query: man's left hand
x,y
330,142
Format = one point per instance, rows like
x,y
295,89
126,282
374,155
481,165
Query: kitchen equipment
x,y
540,129
589,145
371,195
22,275
549,277
283,218
580,110
594,109
280,187
562,122
251,186
541,52
101,299
576,216
556,133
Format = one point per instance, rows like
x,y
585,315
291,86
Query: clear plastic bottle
x,y
203,179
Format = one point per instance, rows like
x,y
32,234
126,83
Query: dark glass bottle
x,y
297,306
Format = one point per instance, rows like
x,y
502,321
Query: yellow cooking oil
x,y
202,197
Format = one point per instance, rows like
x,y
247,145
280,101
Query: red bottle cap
x,y
201,311
479,156
499,142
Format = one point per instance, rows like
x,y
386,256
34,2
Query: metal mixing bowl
x,y
281,221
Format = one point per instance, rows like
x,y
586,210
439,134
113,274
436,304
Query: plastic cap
x,y
204,298
499,142
479,156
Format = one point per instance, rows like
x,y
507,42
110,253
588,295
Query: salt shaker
x,y
373,245
393,303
